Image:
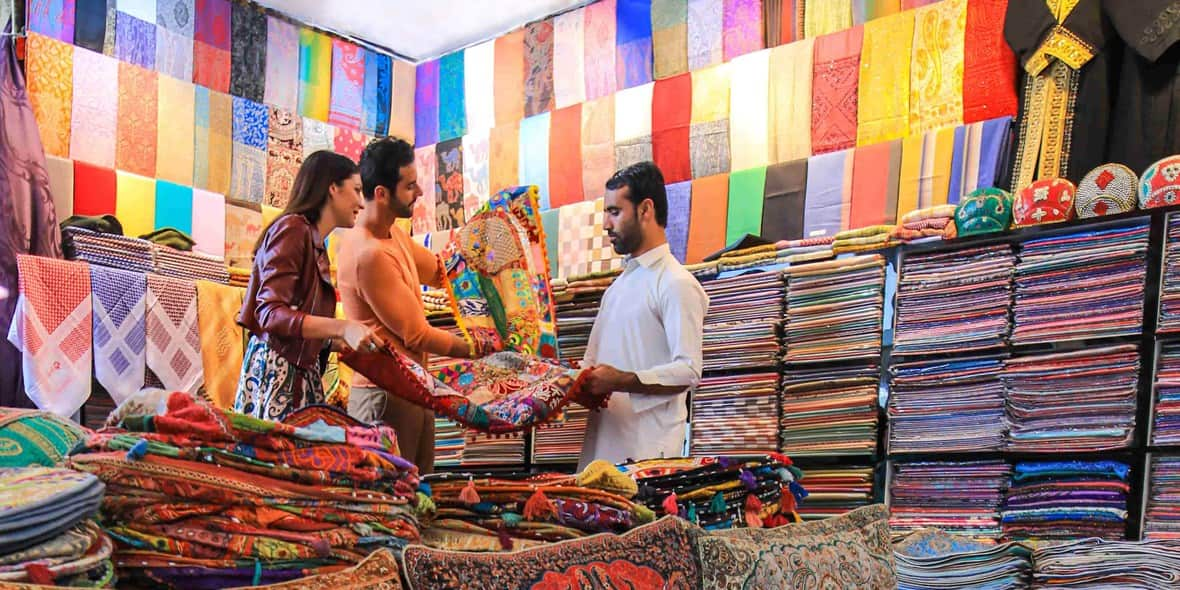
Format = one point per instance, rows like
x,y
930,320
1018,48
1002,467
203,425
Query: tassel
x,y
643,514
780,458
717,506
753,507
748,480
425,504
784,475
469,495
425,489
797,491
511,519
505,539
538,507
669,505
775,521
691,516
787,502
138,450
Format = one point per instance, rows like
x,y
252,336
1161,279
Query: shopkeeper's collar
x,y
649,258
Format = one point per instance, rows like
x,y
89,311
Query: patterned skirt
x,y
271,387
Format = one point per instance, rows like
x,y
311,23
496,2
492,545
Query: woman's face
x,y
345,200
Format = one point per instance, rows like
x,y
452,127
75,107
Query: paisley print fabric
x,y
936,70
270,388
538,75
248,52
284,155
348,84
50,67
136,141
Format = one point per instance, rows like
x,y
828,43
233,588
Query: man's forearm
x,y
631,384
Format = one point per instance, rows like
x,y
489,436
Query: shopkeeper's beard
x,y
627,238
401,210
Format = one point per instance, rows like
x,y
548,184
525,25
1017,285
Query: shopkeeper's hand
x,y
603,380
361,338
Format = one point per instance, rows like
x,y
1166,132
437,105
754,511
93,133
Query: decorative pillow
x,y
1160,183
657,555
849,551
498,277
29,438
1109,189
378,571
984,211
1048,200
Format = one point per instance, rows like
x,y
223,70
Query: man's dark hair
x,y
646,182
381,164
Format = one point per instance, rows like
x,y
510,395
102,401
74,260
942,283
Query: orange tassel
x,y
787,504
538,507
753,509
670,505
469,495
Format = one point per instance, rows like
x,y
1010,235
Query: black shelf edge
x,y
1127,454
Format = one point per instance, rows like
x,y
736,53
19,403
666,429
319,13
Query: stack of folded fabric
x,y
1067,500
1169,320
799,251
834,309
592,284
113,250
721,492
704,271
735,414
963,498
515,511
1166,430
1163,503
748,258
864,239
932,222
1081,285
46,532
576,315
950,302
1074,401
449,440
832,491
248,501
486,450
560,441
829,412
741,327
239,277
190,266
930,559
1095,563
947,406
436,303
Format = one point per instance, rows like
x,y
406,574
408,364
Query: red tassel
x,y
787,504
538,507
469,495
670,505
505,540
39,573
775,521
753,510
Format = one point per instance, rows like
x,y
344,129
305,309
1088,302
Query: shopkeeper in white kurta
x,y
645,347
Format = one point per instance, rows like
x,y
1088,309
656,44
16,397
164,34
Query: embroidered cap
x,y
1049,200
1160,184
1109,189
984,211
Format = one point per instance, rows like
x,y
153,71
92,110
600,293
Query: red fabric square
x,y
989,66
94,189
211,67
870,192
565,156
671,103
671,153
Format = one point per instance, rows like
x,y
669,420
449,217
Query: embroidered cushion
x,y
656,555
30,438
378,571
1049,200
1109,189
849,551
984,211
1160,183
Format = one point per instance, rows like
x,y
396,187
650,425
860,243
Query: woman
x,y
290,303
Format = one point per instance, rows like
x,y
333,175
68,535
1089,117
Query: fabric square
x,y
135,203
452,107
679,209
705,33
534,155
95,189
250,123
825,18
569,51
749,108
746,195
349,142
208,222
243,225
989,65
599,62
633,112
426,162
317,135
50,67
577,234
177,16
823,214
212,26
426,103
476,179
96,106
598,146
282,64
378,86
503,158
634,64
708,145
348,84
834,90
479,86
213,155
449,211
174,206
144,10
551,222
742,28
174,54
883,104
52,18
707,224
565,156
870,194
401,108
315,74
211,67
248,52
118,297
284,155
249,174
135,150
670,127
790,100
783,209
90,25
633,151
936,74
509,77
175,124
135,41
710,94
173,343
61,185
538,67
669,38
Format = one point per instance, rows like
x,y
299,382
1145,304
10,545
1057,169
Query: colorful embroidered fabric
x,y
498,277
1160,184
50,67
984,211
834,88
936,74
284,155
38,504
1109,189
29,437
1049,200
379,571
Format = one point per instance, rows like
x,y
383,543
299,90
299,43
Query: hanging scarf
x,y
119,333
52,328
173,343
222,344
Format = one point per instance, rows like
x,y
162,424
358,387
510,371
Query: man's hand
x,y
603,380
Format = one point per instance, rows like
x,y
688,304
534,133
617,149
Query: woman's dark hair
x,y
646,182
319,171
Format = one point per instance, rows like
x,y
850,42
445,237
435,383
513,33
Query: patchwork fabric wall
x,y
214,98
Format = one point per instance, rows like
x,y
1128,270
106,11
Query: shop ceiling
x,y
420,29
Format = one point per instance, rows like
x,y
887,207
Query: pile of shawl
x,y
864,239
508,512
748,258
721,492
1067,500
806,250
47,535
1095,563
239,277
199,497
930,559
436,303
931,222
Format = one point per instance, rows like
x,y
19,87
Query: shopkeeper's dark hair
x,y
646,182
309,193
381,164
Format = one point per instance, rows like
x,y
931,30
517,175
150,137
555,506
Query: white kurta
x,y
650,323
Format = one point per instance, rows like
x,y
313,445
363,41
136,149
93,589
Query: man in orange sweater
x,y
380,274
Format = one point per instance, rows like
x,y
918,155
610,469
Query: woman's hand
x,y
360,338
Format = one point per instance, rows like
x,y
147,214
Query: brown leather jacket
x,y
291,279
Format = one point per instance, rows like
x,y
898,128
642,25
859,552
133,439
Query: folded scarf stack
x,y
1067,500
1095,563
204,498
106,249
508,512
47,535
931,222
808,250
722,492
930,559
748,258
865,239
190,266
436,302
239,277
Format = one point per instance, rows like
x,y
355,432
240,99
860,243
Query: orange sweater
x,y
380,286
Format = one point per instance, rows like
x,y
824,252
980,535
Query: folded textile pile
x,y
747,258
1081,285
575,319
741,327
1169,321
829,411
834,309
111,250
1166,430
832,491
1074,401
449,440
931,222
436,303
1097,563
1067,500
1162,519
721,492
506,512
561,441
239,277
947,406
190,266
958,497
30,438
930,559
864,239
735,414
198,493
951,302
704,271
493,450
46,532
798,251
